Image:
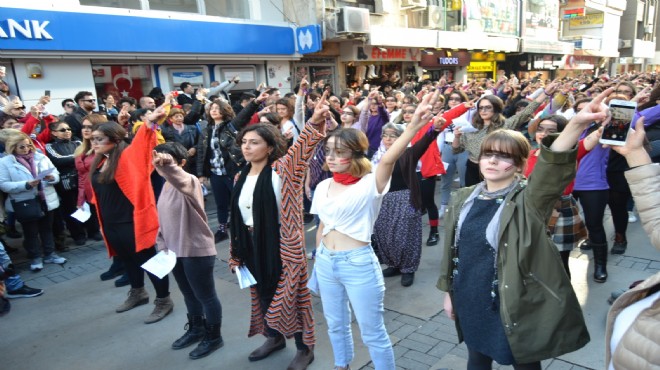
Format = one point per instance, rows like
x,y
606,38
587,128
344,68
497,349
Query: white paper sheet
x,y
82,214
161,264
44,173
245,278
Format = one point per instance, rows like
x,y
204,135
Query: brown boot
x,y
303,358
136,297
163,308
271,345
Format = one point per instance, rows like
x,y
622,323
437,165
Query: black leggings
x,y
194,275
479,361
472,173
618,202
427,188
122,239
593,204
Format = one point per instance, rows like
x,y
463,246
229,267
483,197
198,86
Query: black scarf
x,y
260,252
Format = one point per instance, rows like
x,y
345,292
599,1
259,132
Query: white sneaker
x,y
441,211
632,217
54,258
36,265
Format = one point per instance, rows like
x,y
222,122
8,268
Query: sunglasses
x,y
89,100
70,106
64,130
24,146
486,108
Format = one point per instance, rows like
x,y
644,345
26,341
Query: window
x,y
126,4
122,81
186,6
228,8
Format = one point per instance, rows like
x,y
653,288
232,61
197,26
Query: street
x,y
73,325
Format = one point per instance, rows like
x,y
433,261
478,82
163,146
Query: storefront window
x,y
229,8
123,81
186,6
125,4
491,16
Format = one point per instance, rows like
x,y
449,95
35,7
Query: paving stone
x,y
637,259
393,326
429,327
441,349
78,270
410,320
415,345
640,266
391,315
399,351
652,271
57,278
626,263
409,364
423,339
654,265
447,336
421,357
559,365
404,331
38,281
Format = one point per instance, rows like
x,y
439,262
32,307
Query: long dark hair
x,y
498,118
116,135
271,135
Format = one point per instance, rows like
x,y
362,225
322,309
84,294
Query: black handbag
x,y
28,210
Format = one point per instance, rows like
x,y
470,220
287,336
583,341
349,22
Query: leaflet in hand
x,y
44,173
161,264
245,278
82,214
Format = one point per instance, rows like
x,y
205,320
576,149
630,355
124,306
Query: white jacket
x,y
14,176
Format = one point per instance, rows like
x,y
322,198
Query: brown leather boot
x,y
303,358
271,345
163,307
136,297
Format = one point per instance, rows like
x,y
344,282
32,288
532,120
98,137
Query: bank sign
x,y
37,30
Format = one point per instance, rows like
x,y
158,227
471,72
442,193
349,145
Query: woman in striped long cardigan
x,y
269,189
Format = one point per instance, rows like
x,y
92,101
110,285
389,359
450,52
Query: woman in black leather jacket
x,y
219,158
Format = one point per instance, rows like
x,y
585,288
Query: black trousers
x,y
593,204
194,276
427,188
38,236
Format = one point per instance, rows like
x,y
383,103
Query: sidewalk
x,y
74,326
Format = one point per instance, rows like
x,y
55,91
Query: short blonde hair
x,y
355,141
14,140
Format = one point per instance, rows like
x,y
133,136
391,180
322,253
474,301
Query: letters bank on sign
x,y
29,29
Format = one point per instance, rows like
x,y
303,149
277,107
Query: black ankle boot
x,y
194,332
434,237
116,269
600,262
212,341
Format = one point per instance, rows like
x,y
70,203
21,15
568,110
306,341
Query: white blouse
x,y
245,200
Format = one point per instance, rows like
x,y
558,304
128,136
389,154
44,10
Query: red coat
x,y
85,191
44,136
431,159
133,176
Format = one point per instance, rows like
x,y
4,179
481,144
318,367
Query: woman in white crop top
x,y
346,269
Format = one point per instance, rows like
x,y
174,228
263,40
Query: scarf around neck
x,y
345,178
27,160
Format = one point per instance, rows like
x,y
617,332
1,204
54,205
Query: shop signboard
x,y
383,54
481,67
594,20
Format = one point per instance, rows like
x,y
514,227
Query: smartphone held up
x,y
616,131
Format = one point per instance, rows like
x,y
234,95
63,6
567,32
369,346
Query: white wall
x,y
64,78
278,73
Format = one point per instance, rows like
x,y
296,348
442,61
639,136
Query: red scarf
x,y
345,178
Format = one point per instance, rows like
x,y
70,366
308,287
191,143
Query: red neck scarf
x,y
345,178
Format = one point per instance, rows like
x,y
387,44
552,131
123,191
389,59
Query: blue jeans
x,y
13,282
221,186
456,162
354,277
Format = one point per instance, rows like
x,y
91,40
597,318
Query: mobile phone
x,y
616,131
47,93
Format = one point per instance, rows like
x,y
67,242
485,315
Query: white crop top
x,y
352,212
245,200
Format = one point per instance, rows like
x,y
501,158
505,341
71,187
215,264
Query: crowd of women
x,y
366,162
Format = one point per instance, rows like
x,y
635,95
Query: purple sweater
x,y
375,127
591,174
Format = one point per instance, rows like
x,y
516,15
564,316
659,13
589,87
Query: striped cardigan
x,y
290,311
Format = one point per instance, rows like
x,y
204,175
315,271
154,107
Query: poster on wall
x,y
324,73
122,81
492,16
541,19
194,77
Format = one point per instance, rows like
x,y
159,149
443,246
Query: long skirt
x,y
398,232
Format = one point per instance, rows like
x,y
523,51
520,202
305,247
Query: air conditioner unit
x,y
648,29
432,17
353,20
412,4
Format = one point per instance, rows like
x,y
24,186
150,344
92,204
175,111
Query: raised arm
x,y
175,175
245,115
420,118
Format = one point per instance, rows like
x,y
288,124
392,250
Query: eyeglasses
x,y
498,156
485,108
348,113
455,99
69,105
389,136
64,130
20,108
99,140
409,111
24,146
87,127
89,100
